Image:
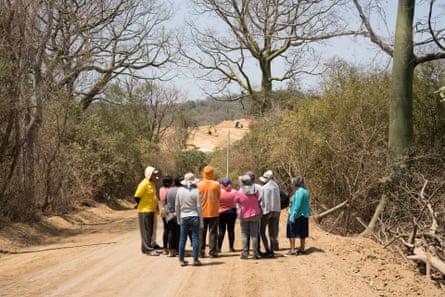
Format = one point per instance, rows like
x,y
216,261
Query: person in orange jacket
x,y
209,192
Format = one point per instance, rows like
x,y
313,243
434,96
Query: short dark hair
x,y
167,181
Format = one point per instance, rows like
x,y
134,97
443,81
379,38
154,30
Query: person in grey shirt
x,y
189,215
271,208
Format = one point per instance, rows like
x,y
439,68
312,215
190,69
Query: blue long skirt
x,y
298,229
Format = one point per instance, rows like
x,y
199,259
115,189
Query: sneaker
x,y
183,263
153,253
197,263
243,257
257,257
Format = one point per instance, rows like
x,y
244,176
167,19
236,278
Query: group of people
x,y
201,209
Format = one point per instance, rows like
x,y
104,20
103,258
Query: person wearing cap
x,y
249,214
147,207
227,214
167,182
170,217
209,191
299,213
271,208
189,214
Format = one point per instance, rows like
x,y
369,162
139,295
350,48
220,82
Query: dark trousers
x,y
146,220
173,234
212,225
226,221
271,221
165,233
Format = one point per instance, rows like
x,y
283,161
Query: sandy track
x,y
105,261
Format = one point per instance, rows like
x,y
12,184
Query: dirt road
x,y
105,260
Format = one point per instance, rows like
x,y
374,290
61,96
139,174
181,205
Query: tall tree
x,y
259,35
405,59
430,46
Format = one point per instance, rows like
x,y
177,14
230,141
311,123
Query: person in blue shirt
x,y
299,213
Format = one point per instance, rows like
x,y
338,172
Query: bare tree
x,y
95,41
76,46
260,35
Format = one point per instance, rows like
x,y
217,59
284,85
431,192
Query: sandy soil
x,y
96,253
219,135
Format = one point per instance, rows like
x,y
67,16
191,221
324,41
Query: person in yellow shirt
x,y
147,207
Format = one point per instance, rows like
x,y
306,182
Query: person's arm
x,y
295,205
137,200
178,208
199,208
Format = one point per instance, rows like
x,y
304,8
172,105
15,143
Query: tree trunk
x,y
372,224
266,86
401,135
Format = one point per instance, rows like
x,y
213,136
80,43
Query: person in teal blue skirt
x,y
298,220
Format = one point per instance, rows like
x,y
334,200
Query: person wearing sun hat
x,y
271,208
227,214
249,214
189,215
147,207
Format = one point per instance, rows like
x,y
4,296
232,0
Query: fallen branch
x,y
342,205
435,262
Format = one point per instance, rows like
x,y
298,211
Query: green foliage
x,y
428,111
190,161
338,141
211,111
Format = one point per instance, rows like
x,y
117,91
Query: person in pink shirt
x,y
249,214
227,214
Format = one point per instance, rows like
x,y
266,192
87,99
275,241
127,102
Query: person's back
x,y
209,191
271,207
187,202
249,213
189,214
270,201
227,214
248,205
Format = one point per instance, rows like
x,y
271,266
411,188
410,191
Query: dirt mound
x,y
209,138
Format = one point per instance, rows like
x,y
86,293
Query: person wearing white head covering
x,y
147,207
249,214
